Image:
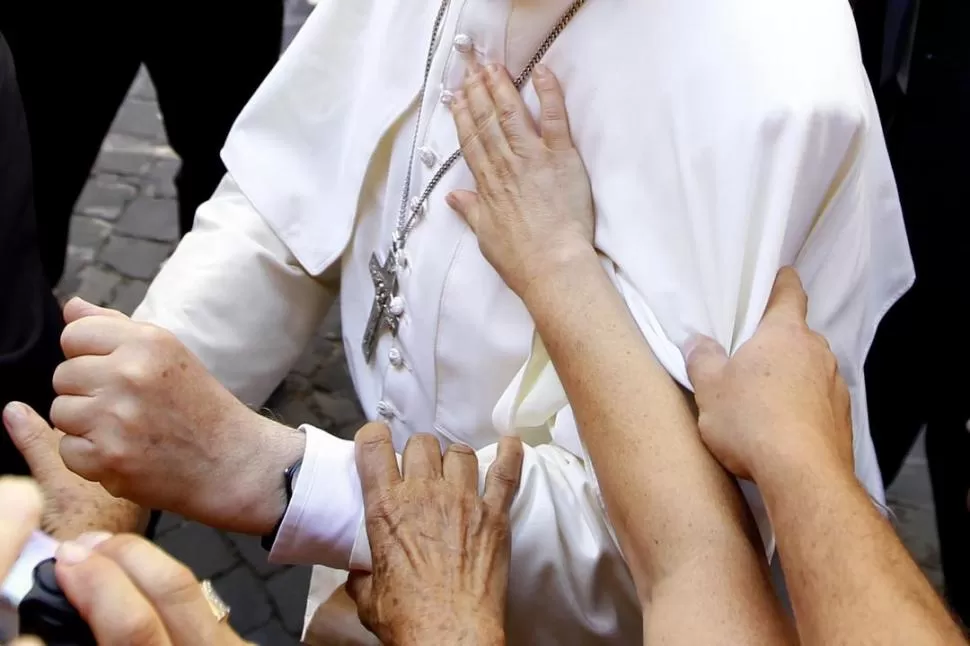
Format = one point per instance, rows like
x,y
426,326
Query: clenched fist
x,y
143,417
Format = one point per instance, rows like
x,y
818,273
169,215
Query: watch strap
x,y
289,479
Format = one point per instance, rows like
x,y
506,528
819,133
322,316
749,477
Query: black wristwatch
x,y
289,477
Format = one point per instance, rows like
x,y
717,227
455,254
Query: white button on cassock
x,y
385,410
447,96
427,156
394,355
463,43
397,306
417,206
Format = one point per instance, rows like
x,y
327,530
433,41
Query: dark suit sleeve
x,y
30,319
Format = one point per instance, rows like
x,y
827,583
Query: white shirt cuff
x,y
326,512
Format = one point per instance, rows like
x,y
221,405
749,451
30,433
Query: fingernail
x,y
91,540
14,414
72,553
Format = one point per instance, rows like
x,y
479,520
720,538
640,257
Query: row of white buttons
x,y
462,44
427,156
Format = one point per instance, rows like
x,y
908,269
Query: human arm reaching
x,y
156,407
681,521
778,412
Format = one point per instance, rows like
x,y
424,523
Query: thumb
x,y
78,308
705,360
34,438
360,586
466,204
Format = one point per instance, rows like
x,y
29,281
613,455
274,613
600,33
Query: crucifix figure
x,y
381,317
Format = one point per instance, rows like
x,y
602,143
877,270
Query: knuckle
x,y
177,585
384,508
58,413
120,547
126,412
113,456
504,474
153,335
136,627
135,373
59,379
508,117
551,113
70,334
462,450
503,169
821,341
474,82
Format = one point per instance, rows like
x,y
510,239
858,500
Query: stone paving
x,y
124,227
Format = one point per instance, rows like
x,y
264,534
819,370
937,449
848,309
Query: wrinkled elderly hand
x,y
72,505
440,551
780,400
145,419
533,210
133,594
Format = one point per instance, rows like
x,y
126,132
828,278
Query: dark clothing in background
x,y
76,61
30,319
917,372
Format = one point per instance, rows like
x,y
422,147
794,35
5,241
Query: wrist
x,y
260,499
801,471
558,265
464,631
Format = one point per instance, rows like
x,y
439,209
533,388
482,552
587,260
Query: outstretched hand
x,y
779,398
440,550
533,209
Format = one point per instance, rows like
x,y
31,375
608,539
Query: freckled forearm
x,y
461,631
682,523
634,418
869,590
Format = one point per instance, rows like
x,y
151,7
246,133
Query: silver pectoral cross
x,y
381,318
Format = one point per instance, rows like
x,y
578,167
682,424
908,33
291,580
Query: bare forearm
x,y
850,579
678,516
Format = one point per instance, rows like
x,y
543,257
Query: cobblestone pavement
x,y
125,225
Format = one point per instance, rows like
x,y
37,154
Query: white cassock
x,y
723,138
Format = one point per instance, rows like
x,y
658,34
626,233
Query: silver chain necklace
x,y
384,274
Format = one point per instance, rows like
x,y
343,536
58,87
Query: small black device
x,y
32,603
46,613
